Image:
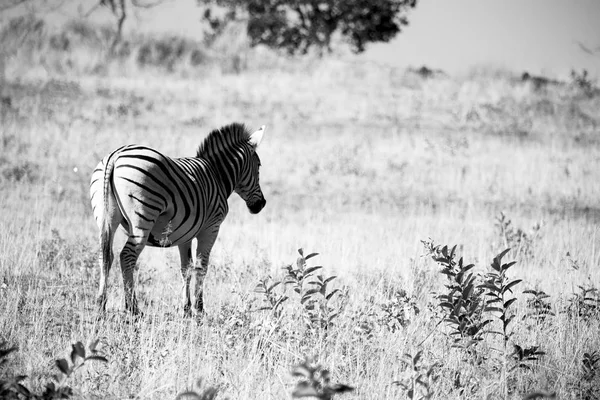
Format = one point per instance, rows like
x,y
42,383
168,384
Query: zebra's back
x,y
172,198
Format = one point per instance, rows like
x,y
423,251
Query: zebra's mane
x,y
228,136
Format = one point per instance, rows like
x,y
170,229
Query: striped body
x,y
162,201
172,197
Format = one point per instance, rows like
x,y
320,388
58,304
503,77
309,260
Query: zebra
x,y
163,202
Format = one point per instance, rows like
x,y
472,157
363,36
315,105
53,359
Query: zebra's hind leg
x,y
185,254
129,256
105,260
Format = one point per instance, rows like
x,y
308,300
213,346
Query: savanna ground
x,y
361,163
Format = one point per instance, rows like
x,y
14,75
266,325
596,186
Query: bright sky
x,y
536,35
540,36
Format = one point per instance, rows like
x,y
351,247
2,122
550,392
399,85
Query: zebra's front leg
x,y
196,286
185,255
199,270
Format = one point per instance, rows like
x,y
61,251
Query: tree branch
x,y
137,3
120,23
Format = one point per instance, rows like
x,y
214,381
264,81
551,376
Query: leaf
x,y
305,391
329,279
331,294
311,255
301,252
401,384
508,320
499,256
493,309
510,285
490,286
509,302
190,395
63,366
301,371
310,270
93,345
417,357
77,351
508,265
5,352
273,286
310,292
280,300
341,388
539,394
96,358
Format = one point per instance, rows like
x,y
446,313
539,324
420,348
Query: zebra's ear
x,y
257,136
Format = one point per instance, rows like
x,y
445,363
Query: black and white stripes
x,y
162,201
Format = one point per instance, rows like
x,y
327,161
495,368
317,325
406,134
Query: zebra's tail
x,y
106,232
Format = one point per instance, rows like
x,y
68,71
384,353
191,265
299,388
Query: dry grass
x,y
360,163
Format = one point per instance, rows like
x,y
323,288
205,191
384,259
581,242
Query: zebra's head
x,y
248,186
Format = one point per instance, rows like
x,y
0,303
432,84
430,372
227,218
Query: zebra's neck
x,y
226,173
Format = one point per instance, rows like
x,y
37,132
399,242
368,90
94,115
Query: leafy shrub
x,y
520,241
315,381
398,311
583,82
11,386
585,304
463,302
539,308
472,305
319,306
198,393
419,378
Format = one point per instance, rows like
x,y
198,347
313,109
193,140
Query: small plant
x,y
573,263
539,394
299,276
271,299
516,238
197,393
588,385
585,304
498,286
419,378
582,81
463,302
522,356
320,310
397,311
539,308
591,365
12,388
315,381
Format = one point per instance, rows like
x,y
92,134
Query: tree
x,y
119,10
298,25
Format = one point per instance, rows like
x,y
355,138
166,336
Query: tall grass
x,y
360,163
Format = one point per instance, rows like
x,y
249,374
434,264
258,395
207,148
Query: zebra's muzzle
x,y
256,207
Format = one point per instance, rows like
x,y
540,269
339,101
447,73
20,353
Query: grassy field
x,y
361,163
